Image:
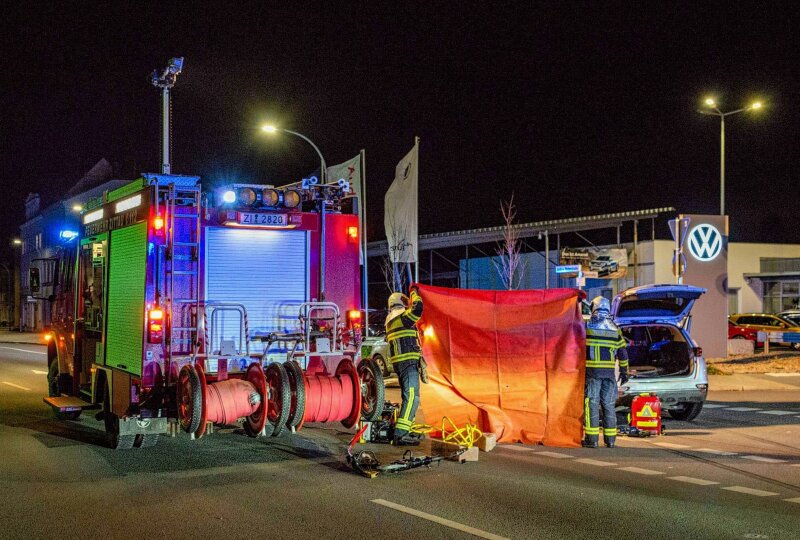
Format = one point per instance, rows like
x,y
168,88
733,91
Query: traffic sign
x,y
683,224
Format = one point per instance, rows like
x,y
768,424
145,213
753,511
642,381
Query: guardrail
x,y
777,337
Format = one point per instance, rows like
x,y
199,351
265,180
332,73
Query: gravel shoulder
x,y
773,362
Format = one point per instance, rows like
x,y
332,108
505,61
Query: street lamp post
x,y
322,177
715,111
273,129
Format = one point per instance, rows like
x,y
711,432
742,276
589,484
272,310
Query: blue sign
x,y
705,242
568,269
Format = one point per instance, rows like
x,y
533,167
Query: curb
x,y
743,383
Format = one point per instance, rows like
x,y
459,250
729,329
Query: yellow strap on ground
x,y
465,436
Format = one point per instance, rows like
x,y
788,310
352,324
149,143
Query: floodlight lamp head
x,y
175,65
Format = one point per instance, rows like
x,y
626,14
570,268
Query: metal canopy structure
x,y
526,230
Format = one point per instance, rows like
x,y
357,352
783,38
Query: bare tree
x,y
509,263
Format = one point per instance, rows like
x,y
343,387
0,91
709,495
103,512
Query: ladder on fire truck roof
x,y
182,264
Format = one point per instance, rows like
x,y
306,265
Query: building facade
x,y
45,231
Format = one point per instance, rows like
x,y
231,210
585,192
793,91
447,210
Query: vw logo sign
x,y
705,242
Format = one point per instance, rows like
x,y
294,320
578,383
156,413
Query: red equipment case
x,y
645,417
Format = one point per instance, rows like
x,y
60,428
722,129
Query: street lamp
x,y
713,110
272,129
16,242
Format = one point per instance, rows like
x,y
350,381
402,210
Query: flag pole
x,y
363,218
416,197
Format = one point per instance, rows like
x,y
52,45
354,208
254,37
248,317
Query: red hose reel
x,y
283,395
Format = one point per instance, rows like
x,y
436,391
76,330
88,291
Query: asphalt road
x,y
733,473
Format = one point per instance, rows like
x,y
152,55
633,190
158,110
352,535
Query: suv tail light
x,y
697,351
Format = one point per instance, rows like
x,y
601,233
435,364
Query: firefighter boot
x,y
590,441
406,439
610,437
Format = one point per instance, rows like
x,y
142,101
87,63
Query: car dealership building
x,y
739,277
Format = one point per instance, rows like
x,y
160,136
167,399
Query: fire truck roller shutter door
x,y
266,271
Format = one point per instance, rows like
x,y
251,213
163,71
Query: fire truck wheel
x,y
687,413
146,441
53,390
297,386
111,421
189,395
279,397
372,390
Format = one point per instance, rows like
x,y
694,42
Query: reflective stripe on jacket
x,y
603,349
401,332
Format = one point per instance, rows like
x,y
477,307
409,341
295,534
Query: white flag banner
x,y
350,172
401,209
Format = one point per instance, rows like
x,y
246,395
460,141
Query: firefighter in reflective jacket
x,y
404,354
605,345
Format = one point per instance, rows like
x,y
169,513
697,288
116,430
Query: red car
x,y
740,332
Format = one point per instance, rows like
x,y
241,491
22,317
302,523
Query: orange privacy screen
x,y
511,362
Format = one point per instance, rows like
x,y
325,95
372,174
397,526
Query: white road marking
x,y
596,463
743,409
39,372
717,452
691,480
16,385
764,459
750,491
708,405
777,413
554,455
637,470
517,447
23,350
441,521
671,445
795,500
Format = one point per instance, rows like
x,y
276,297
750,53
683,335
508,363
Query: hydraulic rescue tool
x,y
366,463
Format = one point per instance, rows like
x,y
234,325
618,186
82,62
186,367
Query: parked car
x,y
604,265
663,358
742,332
375,347
765,322
791,315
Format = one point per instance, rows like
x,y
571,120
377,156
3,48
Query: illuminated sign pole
x,y
678,228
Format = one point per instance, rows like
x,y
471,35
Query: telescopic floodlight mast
x,y
165,81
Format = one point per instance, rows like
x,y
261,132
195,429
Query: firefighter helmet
x,y
397,300
601,303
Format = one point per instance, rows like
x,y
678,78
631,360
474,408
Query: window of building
x,y
781,295
38,241
733,301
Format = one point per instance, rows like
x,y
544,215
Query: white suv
x,y
663,358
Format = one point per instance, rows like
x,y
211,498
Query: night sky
x,y
575,110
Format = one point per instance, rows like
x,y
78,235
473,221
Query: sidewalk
x,y
760,381
28,338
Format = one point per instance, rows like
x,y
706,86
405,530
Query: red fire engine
x,y
178,308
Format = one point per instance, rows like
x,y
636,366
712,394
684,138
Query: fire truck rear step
x,y
69,403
